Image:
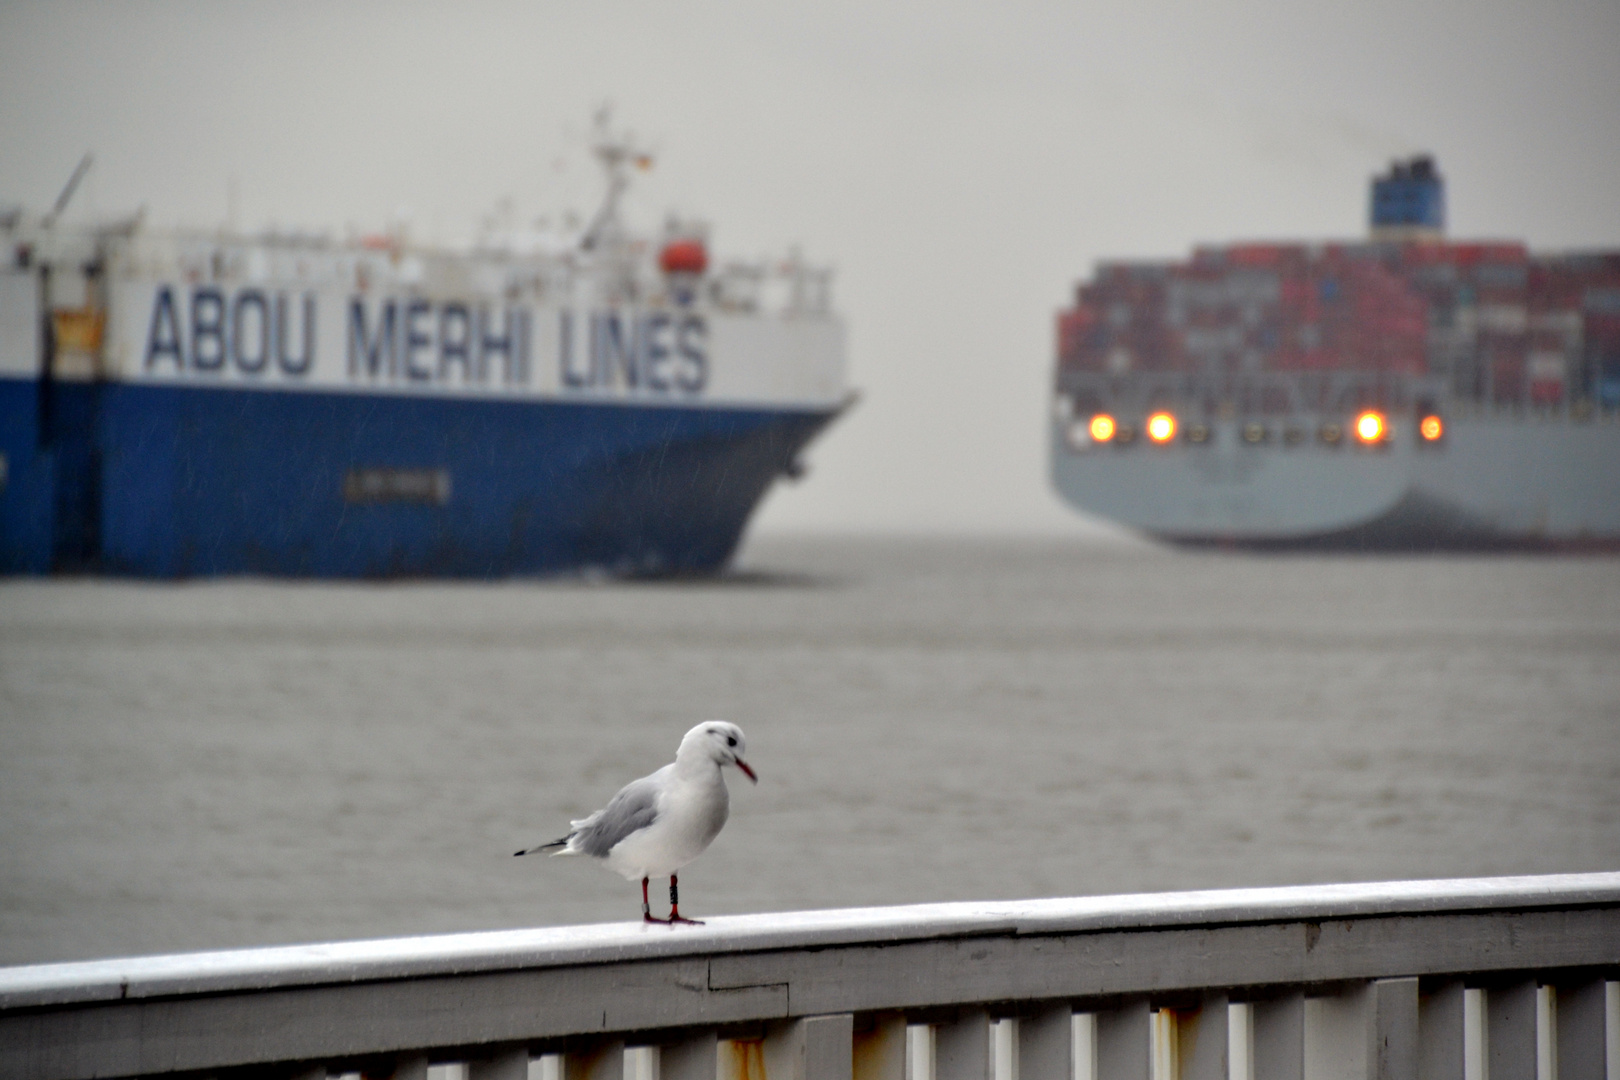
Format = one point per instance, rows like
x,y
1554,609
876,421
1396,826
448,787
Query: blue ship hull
x,y
163,481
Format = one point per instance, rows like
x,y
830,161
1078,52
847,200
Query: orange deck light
x,y
1432,428
1161,427
1102,427
1370,427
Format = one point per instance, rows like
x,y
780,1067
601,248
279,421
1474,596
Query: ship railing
x,y
1475,979
788,288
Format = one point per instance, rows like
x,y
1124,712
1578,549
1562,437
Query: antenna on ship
x,y
617,153
68,189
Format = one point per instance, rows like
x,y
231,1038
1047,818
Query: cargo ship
x,y
571,399
1403,392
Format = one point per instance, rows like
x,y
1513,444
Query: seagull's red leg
x,y
675,906
646,909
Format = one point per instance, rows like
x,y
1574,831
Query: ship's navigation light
x,y
1431,428
1371,427
1102,427
1161,427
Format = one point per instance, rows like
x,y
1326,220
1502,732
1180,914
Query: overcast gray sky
x,y
961,165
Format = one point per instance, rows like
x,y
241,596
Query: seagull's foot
x,y
646,918
675,905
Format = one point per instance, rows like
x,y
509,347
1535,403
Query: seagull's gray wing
x,y
634,807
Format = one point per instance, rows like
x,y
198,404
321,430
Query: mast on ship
x,y
617,153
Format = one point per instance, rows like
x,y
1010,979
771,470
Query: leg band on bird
x,y
675,905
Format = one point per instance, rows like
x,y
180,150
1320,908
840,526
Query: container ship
x,y
1402,392
177,403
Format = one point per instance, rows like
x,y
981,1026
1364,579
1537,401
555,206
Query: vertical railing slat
x,y
810,1048
1611,1010
1442,1051
962,1048
1085,1046
1046,1044
1201,1040
920,1052
406,1067
602,1061
1510,1031
1004,1047
1338,1034
1578,1026
696,1057
507,1065
1125,1043
828,1047
879,1052
1240,1039
741,1059
1279,1038
1392,1030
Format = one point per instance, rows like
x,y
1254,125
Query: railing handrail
x,y
238,970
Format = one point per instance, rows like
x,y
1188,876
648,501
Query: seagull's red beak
x,y
743,765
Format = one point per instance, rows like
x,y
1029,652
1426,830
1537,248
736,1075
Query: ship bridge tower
x,y
1409,203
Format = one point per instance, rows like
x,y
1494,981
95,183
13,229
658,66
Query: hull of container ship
x,y
1493,481
172,481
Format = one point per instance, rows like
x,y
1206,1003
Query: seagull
x,y
658,824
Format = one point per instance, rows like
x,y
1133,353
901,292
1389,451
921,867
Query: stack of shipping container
x,y
1497,324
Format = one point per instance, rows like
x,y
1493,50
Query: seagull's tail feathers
x,y
562,843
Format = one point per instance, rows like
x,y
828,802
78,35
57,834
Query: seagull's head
x,y
721,743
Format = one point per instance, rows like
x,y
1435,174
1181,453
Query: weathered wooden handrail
x,y
1386,981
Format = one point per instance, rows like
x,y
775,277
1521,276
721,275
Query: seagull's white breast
x,y
691,813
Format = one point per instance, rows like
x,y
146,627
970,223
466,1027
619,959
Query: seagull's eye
x,y
731,740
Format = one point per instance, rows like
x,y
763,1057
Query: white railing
x,y
1484,979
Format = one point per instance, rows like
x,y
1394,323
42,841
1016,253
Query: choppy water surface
x,y
215,764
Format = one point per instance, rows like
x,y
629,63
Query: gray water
x,y
231,763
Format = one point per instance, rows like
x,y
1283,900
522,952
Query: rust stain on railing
x,y
742,1059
